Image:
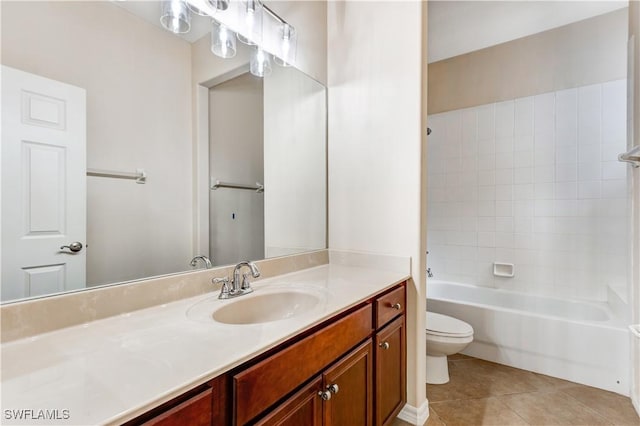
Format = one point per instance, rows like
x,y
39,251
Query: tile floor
x,y
484,393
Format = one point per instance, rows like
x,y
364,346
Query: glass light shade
x,y
252,27
223,41
215,5
260,64
175,16
288,42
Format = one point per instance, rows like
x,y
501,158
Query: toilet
x,y
445,336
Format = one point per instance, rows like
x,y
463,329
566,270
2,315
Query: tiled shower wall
x,y
535,182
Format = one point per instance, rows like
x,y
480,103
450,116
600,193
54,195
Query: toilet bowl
x,y
445,336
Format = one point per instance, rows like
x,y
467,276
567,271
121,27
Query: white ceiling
x,y
459,26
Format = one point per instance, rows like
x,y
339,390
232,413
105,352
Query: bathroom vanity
x,y
338,359
350,369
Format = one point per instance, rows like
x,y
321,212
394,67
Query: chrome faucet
x,y
205,260
236,287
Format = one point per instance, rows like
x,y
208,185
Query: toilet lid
x,y
443,325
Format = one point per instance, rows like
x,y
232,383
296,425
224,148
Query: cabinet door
x,y
391,369
195,411
303,408
349,382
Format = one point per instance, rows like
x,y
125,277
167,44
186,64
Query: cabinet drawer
x,y
390,305
195,411
261,385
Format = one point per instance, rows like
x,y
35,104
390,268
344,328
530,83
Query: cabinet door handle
x,y
325,395
333,388
384,345
397,306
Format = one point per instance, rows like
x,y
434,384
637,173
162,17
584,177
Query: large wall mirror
x,y
147,149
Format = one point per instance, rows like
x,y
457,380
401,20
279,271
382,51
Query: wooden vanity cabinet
x,y
390,355
349,370
341,395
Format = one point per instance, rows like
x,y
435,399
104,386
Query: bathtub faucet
x,y
429,273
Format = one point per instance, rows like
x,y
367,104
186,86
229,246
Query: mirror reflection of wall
x,y
140,83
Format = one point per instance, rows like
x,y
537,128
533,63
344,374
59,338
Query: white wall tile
x,y
486,239
504,160
536,182
504,224
523,175
614,170
523,142
590,189
566,190
486,177
486,122
505,119
504,208
543,174
504,192
523,116
487,224
589,114
566,172
567,117
544,113
523,191
589,171
614,111
522,159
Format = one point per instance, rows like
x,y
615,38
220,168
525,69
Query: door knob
x,y
75,246
384,345
326,395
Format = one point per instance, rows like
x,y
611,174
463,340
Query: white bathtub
x,y
578,341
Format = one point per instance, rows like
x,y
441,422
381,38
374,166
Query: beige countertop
x,y
111,370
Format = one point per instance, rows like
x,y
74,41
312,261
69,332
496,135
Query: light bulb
x,y
175,16
223,43
260,64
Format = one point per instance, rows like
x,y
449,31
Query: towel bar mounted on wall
x,y
215,184
139,176
632,156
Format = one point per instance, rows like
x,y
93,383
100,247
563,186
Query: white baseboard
x,y
415,416
635,400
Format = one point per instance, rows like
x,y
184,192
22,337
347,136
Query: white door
x,y
43,185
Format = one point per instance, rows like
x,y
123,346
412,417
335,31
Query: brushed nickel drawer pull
x,y
397,306
384,345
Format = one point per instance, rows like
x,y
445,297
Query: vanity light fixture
x,y
175,16
252,22
287,54
214,4
223,41
260,63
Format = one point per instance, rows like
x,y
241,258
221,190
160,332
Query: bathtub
x,y
578,341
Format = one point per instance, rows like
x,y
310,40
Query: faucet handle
x,y
224,290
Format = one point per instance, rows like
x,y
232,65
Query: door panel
x,y
43,185
390,371
352,403
303,408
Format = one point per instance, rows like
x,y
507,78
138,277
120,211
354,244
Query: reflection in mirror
x,y
115,131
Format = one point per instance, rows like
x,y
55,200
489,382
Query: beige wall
x,y
634,30
375,147
137,78
574,55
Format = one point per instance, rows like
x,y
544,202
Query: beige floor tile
x,y
616,408
485,411
552,408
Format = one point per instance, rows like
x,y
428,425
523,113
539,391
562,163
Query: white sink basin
x,y
266,307
262,306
